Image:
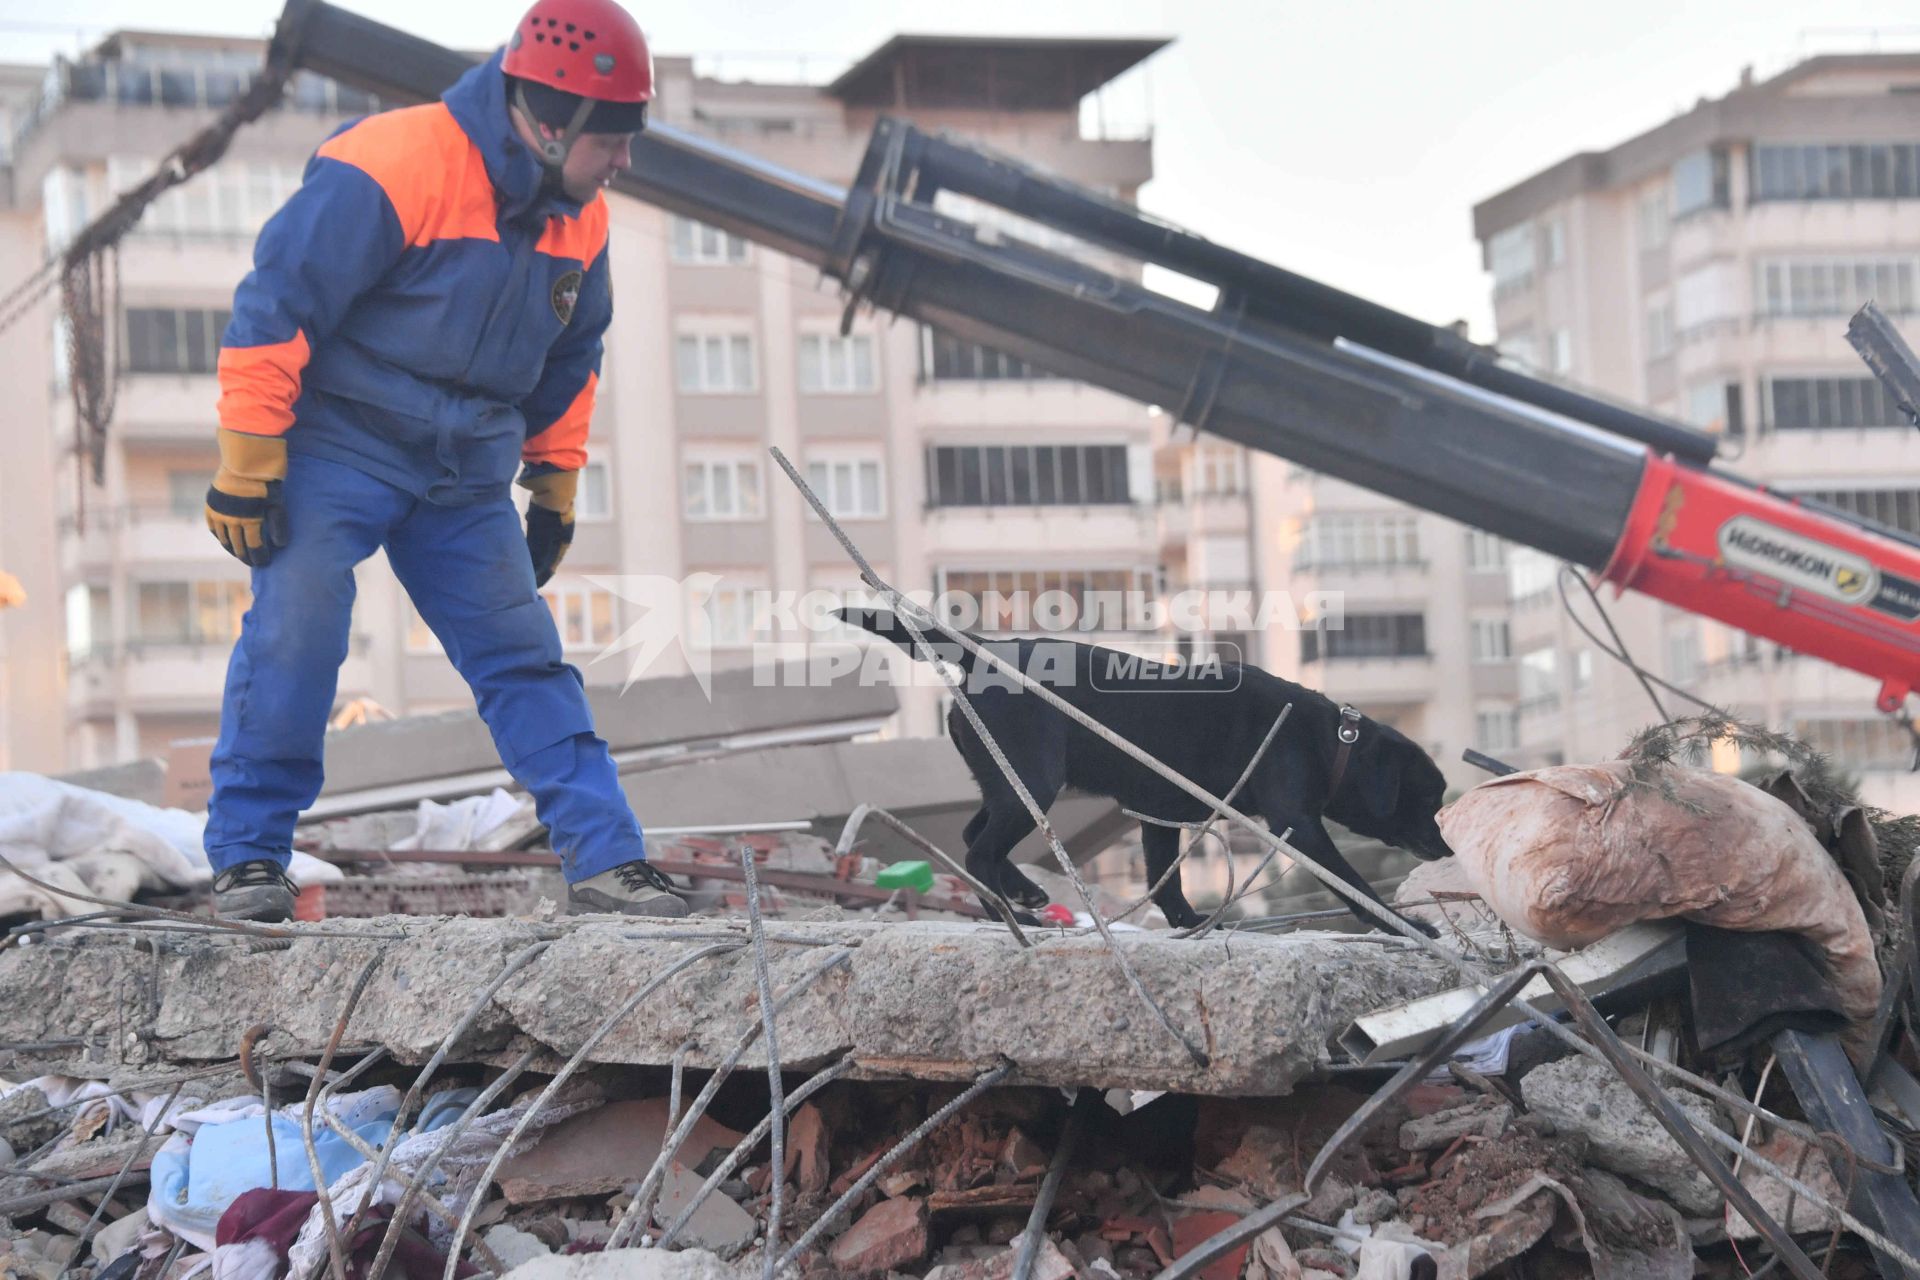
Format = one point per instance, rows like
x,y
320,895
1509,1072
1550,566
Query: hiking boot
x,y
630,889
258,890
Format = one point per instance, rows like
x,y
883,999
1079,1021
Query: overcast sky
x,y
1345,140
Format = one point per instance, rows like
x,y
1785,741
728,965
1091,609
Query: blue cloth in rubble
x,y
467,572
195,1182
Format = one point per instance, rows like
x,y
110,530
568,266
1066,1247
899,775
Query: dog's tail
x,y
886,624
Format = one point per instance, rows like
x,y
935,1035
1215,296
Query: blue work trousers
x,y
471,579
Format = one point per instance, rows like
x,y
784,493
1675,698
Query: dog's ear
x,y
1379,780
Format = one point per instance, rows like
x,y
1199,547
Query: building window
x,y
1582,670
722,489
1492,640
1701,181
1530,576
849,486
1714,406
1553,242
944,358
173,340
1660,331
1803,404
714,363
187,493
1359,541
1510,258
730,620
1894,508
1539,680
1836,286
1486,552
1367,635
1067,475
1862,171
1875,744
1653,218
89,621
189,612
1005,599
584,615
1683,653
1219,470
696,244
1496,729
594,501
830,364
230,199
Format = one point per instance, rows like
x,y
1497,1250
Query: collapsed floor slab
x,y
926,1000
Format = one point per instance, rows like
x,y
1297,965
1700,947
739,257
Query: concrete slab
x,y
922,1001
922,781
654,718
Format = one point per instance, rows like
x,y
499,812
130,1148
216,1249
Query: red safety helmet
x,y
580,66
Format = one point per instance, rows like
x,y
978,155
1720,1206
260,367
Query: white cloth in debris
x,y
457,1172
102,844
1488,1056
460,823
143,1109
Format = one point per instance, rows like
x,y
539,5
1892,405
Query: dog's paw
x,y
1182,916
1020,891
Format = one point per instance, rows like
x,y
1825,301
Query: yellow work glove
x,y
244,508
549,518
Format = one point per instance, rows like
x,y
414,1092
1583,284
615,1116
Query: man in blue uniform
x,y
423,318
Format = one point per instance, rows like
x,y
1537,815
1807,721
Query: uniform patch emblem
x,y
566,292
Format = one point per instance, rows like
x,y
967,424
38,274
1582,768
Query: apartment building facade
x,y
954,467
1706,269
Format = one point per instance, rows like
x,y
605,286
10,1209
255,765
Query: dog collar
x,y
1348,733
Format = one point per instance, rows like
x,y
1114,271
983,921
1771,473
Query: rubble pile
x,y
837,1068
1569,1181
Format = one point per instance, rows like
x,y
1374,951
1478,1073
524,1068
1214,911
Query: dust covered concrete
x,y
927,1000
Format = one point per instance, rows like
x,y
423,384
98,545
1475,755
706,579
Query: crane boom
x,y
1278,363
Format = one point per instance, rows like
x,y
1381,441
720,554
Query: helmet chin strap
x,y
554,151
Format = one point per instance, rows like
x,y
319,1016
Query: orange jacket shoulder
x,y
430,170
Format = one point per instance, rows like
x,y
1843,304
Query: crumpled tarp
x,y
1570,854
102,844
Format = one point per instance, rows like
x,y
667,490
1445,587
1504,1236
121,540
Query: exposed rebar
x,y
984,1082
769,1031
812,1085
640,1209
518,961
567,1069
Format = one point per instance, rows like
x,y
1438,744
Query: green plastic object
x,y
906,875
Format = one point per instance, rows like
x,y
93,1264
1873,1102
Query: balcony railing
x,y
136,84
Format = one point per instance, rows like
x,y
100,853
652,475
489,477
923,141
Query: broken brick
x,y
1189,1231
807,1150
891,1234
603,1150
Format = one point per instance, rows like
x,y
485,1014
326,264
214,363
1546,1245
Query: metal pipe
x,y
1270,292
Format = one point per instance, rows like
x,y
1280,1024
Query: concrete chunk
x,y
1578,1095
1481,1119
916,1000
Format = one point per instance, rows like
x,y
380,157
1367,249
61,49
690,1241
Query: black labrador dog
x,y
1204,721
